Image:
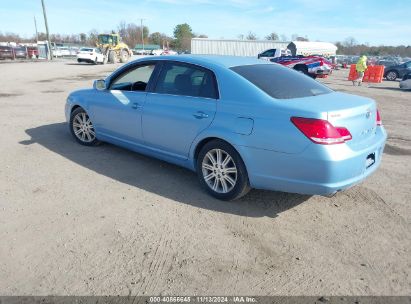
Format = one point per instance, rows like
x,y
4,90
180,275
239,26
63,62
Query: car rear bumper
x,y
320,169
84,57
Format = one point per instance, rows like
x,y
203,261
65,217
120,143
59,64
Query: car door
x,y
181,105
117,110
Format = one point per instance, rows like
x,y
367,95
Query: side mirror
x,y
99,85
259,55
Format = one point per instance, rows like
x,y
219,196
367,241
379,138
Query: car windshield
x,y
280,82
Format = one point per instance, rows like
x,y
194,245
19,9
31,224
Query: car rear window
x,y
86,50
281,82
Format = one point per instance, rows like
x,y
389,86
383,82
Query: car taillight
x,y
321,131
379,121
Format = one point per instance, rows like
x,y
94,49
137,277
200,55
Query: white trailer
x,y
205,46
307,48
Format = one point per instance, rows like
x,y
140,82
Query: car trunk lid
x,y
355,113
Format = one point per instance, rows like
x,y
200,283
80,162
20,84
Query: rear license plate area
x,y
370,160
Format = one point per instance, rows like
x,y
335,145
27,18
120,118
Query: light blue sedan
x,y
240,123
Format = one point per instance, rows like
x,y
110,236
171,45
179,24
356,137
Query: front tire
x,y
123,56
221,171
82,128
391,75
111,57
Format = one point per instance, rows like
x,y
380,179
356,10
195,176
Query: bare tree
x,y
92,37
272,36
251,36
131,33
350,42
299,38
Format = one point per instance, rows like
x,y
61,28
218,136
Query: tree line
x,y
350,46
183,33
131,34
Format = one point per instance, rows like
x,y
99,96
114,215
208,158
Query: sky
x,y
375,22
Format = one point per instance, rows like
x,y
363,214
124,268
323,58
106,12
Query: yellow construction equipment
x,y
113,48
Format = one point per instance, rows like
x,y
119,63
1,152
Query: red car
x,y
32,50
6,52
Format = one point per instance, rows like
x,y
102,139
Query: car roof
x,y
210,60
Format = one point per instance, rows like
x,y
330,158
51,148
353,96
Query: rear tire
x,y
221,171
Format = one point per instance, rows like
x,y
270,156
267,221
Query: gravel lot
x,y
91,221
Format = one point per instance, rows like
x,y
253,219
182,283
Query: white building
x,y
252,48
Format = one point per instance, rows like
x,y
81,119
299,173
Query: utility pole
x,y
50,52
142,32
35,26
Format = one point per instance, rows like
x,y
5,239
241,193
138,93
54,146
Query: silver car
x,y
405,83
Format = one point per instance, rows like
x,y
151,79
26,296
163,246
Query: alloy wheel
x,y
219,171
391,76
83,128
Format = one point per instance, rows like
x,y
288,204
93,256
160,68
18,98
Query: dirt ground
x,y
96,221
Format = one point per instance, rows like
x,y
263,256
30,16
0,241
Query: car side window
x,y
188,80
135,79
268,53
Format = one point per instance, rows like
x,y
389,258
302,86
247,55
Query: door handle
x,y
136,105
200,115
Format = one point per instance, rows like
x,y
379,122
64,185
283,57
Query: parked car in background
x,y
141,52
32,51
157,52
20,52
273,53
64,51
56,52
169,52
6,52
386,63
73,51
397,71
238,122
405,83
312,66
90,55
